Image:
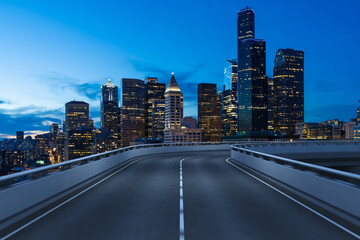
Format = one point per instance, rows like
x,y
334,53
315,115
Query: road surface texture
x,y
219,202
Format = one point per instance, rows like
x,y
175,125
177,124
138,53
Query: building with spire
x,y
109,106
174,132
173,105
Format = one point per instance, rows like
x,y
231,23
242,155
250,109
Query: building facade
x,y
252,81
109,107
133,111
76,115
154,97
158,119
209,120
349,130
109,114
288,90
173,105
189,122
78,134
228,100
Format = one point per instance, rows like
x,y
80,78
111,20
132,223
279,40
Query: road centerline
x,y
181,205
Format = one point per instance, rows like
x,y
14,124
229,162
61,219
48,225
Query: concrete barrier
x,y
338,197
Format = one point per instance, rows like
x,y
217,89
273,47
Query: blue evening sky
x,y
52,52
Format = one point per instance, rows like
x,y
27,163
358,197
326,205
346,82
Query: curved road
x,y
220,202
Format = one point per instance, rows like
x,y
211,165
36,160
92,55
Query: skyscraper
x,y
229,116
173,105
78,134
270,106
154,91
76,115
158,118
109,107
174,132
228,113
109,116
252,83
209,112
19,139
132,117
288,90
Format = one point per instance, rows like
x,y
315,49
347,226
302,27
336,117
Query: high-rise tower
x,y
154,98
109,107
78,134
209,112
173,105
132,112
252,82
76,115
288,90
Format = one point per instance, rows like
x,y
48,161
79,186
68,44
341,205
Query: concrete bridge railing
x,y
335,191
24,193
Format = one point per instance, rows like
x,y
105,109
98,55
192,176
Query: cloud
x,y
331,111
2,101
90,90
29,118
62,83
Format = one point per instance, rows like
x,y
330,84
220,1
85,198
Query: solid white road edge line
x,y
63,203
300,203
181,205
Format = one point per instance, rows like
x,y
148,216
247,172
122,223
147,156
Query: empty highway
x,y
142,201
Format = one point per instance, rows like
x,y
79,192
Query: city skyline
x,y
35,106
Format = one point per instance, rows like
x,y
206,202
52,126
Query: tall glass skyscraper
x,y
109,107
252,82
228,97
288,90
133,121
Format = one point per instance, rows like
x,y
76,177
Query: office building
x,y
158,119
133,111
78,133
189,122
76,115
109,113
173,105
319,131
209,119
78,143
252,81
109,107
288,90
270,104
19,139
174,132
182,135
228,113
154,91
349,130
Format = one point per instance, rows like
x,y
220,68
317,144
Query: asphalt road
x,y
220,202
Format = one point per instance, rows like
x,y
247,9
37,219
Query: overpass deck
x,y
141,201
